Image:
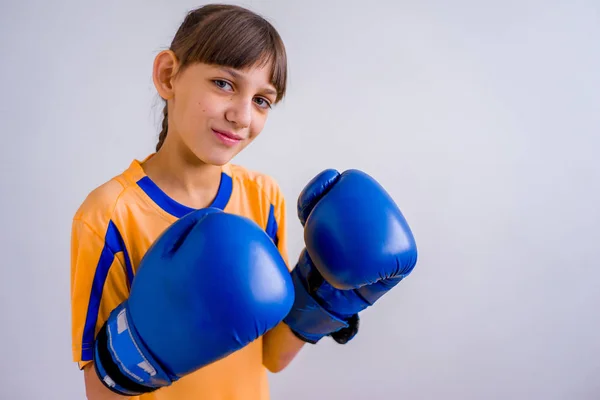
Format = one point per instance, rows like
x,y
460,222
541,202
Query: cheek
x,y
201,107
257,125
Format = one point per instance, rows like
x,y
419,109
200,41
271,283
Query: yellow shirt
x,y
114,227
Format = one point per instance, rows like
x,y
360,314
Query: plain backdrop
x,y
481,118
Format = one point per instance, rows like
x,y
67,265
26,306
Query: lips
x,y
227,138
229,135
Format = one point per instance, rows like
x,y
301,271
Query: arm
x,y
280,344
98,285
137,351
280,347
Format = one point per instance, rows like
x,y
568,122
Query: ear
x,y
164,70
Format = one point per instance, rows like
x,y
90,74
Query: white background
x,y
480,118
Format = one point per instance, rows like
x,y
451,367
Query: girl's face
x,y
215,112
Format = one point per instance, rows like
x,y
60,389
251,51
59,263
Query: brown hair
x,y
230,36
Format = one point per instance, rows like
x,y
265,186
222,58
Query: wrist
x,y
308,319
122,362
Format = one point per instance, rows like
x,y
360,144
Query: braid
x,y
165,127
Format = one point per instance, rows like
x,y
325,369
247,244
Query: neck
x,y
183,177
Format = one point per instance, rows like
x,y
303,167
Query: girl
x,y
224,71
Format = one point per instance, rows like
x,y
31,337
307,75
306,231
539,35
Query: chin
x,y
217,158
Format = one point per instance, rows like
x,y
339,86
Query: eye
x,y
262,103
221,84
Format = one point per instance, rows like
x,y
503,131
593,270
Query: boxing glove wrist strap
x,y
346,334
122,362
307,319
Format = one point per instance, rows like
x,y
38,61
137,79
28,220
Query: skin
x,y
202,98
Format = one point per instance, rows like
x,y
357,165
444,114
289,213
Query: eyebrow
x,y
237,75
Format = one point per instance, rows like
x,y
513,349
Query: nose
x,y
239,112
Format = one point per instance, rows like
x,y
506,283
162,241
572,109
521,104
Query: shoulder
x,y
263,183
97,208
101,204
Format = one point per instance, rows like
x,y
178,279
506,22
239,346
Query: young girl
x,y
224,71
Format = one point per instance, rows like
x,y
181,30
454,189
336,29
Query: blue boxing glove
x,y
358,247
209,285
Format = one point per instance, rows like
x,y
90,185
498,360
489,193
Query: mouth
x,y
228,138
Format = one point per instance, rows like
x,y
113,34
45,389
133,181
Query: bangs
x,y
235,39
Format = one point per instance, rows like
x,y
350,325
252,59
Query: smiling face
x,y
214,111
